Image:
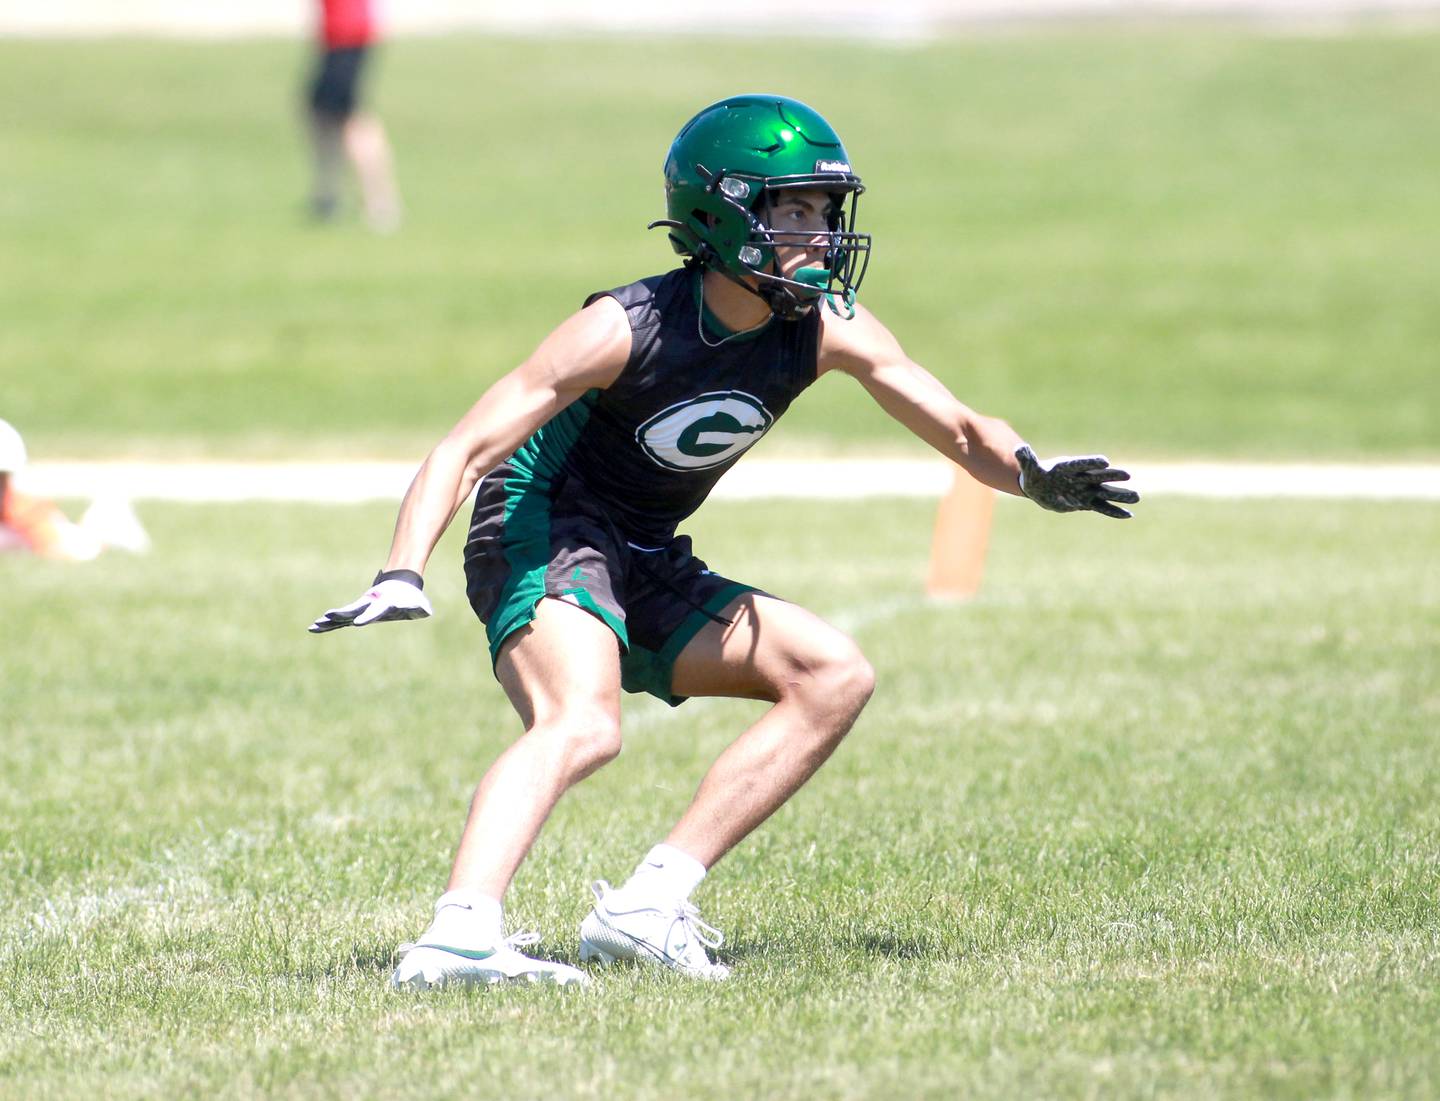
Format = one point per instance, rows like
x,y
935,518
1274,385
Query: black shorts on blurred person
x,y
335,88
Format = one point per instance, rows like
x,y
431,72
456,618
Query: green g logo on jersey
x,y
706,431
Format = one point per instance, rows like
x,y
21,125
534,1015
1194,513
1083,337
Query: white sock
x,y
666,871
467,919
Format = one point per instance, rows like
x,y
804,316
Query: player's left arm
x,y
986,447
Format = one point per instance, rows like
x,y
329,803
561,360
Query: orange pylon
x,y
962,536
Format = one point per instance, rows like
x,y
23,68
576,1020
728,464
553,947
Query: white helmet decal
x,y
703,432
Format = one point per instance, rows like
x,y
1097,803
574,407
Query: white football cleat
x,y
432,966
624,928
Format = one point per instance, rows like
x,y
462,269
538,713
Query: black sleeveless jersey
x,y
651,446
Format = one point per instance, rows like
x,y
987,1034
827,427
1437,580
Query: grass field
x,y
1157,816
1159,243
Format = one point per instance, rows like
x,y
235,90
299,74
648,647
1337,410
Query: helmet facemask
x,y
847,253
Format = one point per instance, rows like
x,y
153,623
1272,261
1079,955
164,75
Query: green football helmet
x,y
721,176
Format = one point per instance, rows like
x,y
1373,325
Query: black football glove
x,y
1074,484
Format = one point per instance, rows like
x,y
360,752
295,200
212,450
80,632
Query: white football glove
x,y
393,596
1073,485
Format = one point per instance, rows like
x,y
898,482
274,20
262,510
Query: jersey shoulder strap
x,y
647,303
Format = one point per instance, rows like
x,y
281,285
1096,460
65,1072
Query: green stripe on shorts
x,y
528,551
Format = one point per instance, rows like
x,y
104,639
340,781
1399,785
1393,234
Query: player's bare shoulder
x,y
605,327
855,342
590,347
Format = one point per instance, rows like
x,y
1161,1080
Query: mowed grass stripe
x,y
1156,814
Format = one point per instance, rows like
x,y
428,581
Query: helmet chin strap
x,y
784,302
782,296
774,291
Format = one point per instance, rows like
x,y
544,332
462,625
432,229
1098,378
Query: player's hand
x,y
389,598
1074,485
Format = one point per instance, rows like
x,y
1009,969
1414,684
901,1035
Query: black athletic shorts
x,y
334,90
525,545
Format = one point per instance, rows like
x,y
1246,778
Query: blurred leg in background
x,y
369,151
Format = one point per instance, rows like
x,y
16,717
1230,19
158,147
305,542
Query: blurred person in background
x,y
12,459
340,132
590,454
38,526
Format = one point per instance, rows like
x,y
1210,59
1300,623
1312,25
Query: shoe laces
x,y
704,932
694,928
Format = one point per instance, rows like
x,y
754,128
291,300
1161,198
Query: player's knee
x,y
838,677
853,679
863,679
597,741
363,135
585,739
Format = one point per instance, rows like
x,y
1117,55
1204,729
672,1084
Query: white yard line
x,y
835,479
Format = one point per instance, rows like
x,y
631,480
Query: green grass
x,y
1156,816
1156,242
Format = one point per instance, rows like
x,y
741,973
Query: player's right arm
x,y
586,352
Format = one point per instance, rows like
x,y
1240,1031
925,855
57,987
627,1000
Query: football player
x,y
588,456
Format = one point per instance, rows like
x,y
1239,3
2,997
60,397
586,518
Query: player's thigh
x,y
768,647
564,661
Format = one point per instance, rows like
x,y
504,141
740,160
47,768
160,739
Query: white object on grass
x,y
112,521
